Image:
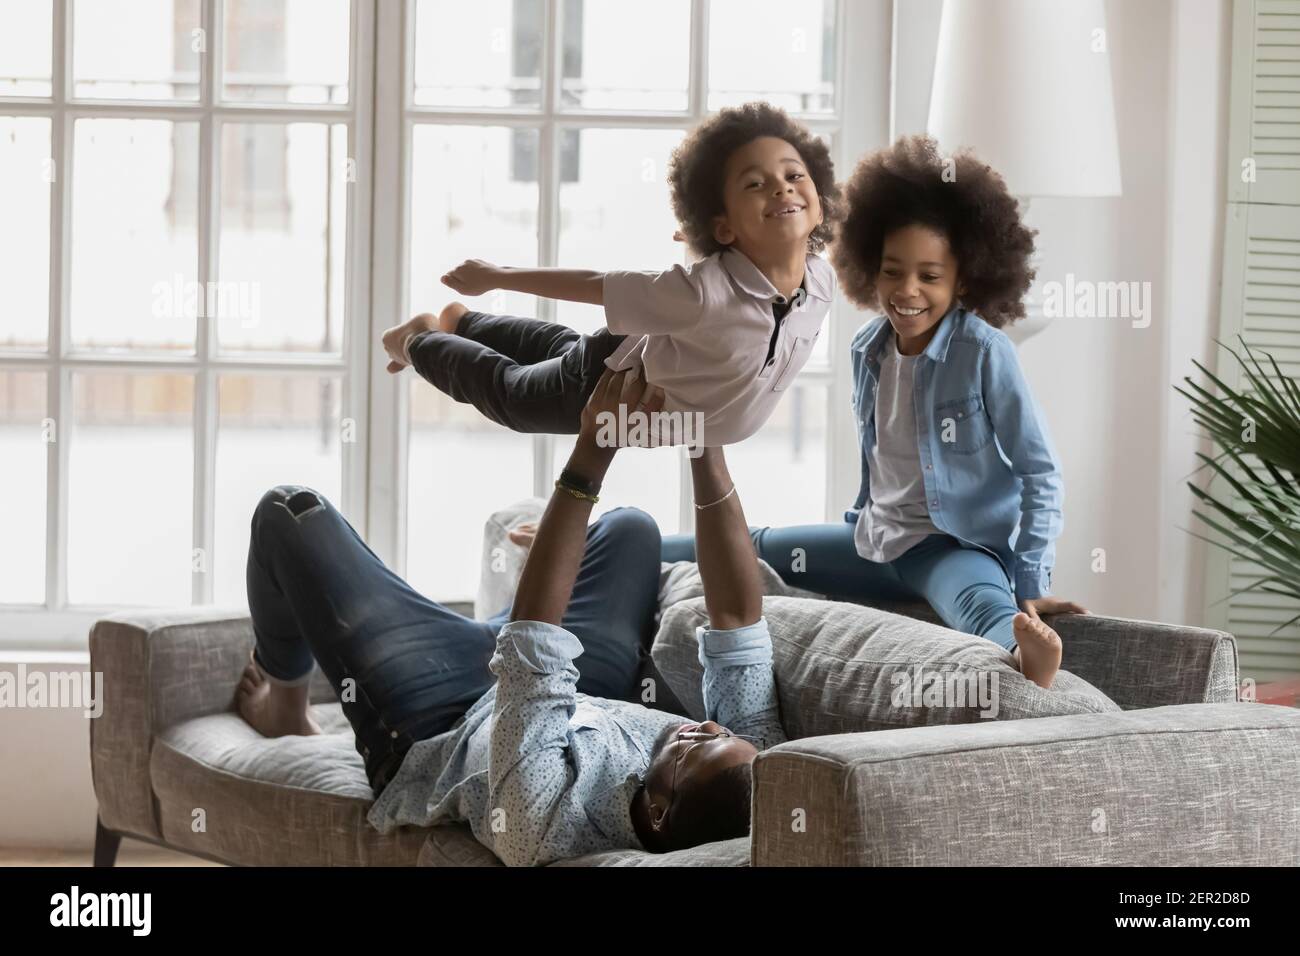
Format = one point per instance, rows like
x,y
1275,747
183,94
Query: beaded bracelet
x,y
576,492
575,480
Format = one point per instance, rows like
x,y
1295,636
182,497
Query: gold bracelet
x,y
719,501
560,485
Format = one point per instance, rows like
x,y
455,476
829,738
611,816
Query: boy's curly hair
x,y
904,185
695,172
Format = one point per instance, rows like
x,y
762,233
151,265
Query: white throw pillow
x,y
503,560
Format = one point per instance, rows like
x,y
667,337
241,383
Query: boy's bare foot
x,y
274,710
449,317
394,339
1038,649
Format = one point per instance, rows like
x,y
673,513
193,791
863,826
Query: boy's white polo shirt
x,y
701,332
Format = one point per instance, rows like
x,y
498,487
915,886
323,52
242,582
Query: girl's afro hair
x,y
966,200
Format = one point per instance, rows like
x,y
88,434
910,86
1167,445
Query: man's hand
x,y
395,336
617,389
1050,605
474,277
612,389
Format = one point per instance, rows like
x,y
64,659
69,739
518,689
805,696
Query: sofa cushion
x,y
723,853
842,668
287,801
454,845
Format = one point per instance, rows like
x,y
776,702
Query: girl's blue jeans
x,y
968,589
405,667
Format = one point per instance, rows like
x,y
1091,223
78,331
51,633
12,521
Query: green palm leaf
x,y
1256,433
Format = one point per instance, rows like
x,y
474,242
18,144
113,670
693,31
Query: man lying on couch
x,y
491,723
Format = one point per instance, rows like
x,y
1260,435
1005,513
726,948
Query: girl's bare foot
x,y
524,534
1038,649
449,317
274,710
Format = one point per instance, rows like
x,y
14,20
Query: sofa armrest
x,y
1191,785
1136,663
1146,664
160,668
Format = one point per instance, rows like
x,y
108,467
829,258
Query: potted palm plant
x,y
1256,434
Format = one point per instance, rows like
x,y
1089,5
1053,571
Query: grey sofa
x,y
1139,754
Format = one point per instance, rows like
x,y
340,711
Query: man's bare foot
x,y
449,317
274,710
1039,649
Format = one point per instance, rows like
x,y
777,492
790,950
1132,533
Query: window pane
x,y
791,65
25,435
604,71
620,188
25,174
482,54
780,471
130,489
271,430
645,478
26,47
821,354
283,226
134,235
286,51
473,196
461,468
136,49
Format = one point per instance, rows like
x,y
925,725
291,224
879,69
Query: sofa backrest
x,y
843,668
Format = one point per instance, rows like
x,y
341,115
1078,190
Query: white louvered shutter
x,y
1261,287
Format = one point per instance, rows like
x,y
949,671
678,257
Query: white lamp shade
x,y
1024,84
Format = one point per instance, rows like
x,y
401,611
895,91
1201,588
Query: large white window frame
x,y
54,623
860,121
380,117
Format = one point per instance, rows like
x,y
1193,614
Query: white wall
x,y
1198,142
45,787
1123,435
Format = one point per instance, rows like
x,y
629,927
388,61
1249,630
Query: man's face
x,y
770,202
687,757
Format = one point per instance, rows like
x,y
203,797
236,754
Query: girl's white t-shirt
x,y
896,518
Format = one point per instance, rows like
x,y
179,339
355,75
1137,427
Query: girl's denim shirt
x,y
992,478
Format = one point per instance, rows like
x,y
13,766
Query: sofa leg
x,y
106,844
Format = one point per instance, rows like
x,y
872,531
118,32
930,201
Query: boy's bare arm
x,y
475,277
733,590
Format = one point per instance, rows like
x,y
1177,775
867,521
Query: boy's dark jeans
x,y
525,374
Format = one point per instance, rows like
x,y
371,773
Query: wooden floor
x,y
132,853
